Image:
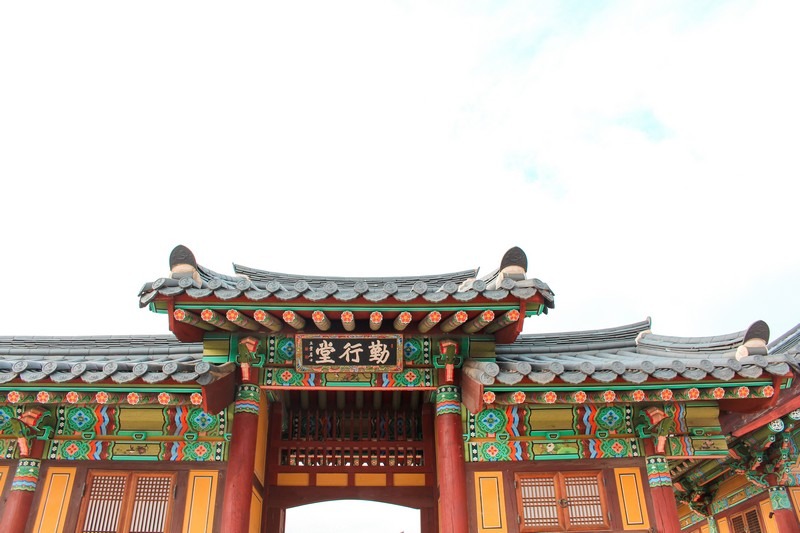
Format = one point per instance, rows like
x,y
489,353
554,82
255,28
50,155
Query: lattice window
x,y
538,501
584,502
568,501
103,504
127,502
353,437
747,522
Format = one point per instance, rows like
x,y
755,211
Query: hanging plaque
x,y
349,353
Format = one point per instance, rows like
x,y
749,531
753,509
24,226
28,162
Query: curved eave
x,y
266,276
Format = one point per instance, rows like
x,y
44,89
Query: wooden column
x,y
275,520
17,508
241,461
450,472
664,505
785,517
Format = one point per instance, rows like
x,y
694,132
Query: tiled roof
x,y
122,359
258,285
789,342
634,354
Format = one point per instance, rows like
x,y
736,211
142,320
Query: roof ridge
x,y
249,271
633,329
786,341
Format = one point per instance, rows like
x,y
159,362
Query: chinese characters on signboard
x,y
349,353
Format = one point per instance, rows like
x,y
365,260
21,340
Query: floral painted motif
x,y
490,421
196,398
638,395
286,375
80,419
743,392
718,393
133,398
489,397
693,393
518,397
13,396
43,396
768,391
163,398
101,397
579,396
610,417
665,394
72,397
550,397
609,396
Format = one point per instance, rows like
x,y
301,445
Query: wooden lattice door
x,y
565,501
127,502
746,522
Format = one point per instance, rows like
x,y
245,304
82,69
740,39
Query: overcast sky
x,y
645,155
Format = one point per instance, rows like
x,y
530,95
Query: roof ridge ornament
x,y
513,267
182,264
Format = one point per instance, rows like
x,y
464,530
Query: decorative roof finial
x,y
181,255
182,263
514,257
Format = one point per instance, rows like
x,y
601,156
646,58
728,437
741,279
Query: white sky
x,y
644,156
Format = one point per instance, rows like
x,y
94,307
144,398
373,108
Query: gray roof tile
x,y
122,359
636,355
463,286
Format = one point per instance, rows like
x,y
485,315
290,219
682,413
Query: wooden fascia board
x,y
740,424
471,394
219,394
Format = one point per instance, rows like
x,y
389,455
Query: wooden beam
x,y
402,321
507,319
348,321
479,322
294,320
509,398
430,320
471,394
322,322
191,319
267,320
375,320
455,320
220,393
241,320
215,319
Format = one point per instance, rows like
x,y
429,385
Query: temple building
x,y
274,391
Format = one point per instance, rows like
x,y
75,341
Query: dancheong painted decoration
x,y
275,390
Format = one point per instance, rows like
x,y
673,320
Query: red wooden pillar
x,y
17,509
785,517
450,471
241,461
274,518
664,504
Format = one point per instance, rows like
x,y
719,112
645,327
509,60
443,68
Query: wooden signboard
x,y
349,353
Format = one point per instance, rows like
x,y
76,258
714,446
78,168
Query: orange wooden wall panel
x,y
201,499
632,505
56,493
490,503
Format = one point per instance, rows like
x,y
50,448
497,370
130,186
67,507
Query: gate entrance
x,y
349,516
359,445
